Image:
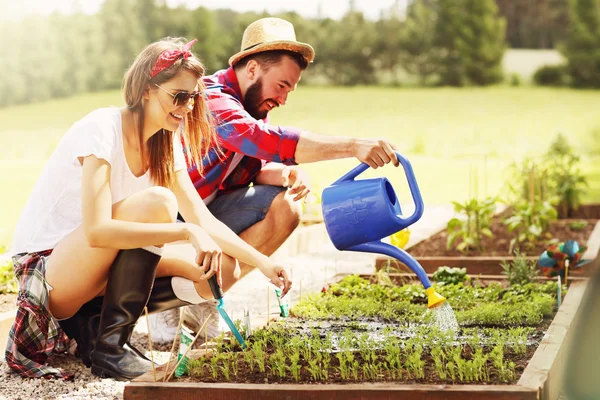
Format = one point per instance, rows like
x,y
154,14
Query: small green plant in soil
x,y
528,221
578,225
447,275
500,327
474,223
520,270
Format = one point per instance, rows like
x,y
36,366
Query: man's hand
x,y
375,152
297,181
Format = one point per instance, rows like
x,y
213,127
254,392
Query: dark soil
x,y
499,243
8,302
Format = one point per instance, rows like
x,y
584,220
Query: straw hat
x,y
271,34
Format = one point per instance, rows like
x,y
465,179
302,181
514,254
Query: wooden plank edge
x,y
231,391
593,244
536,372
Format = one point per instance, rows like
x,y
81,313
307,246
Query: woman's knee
x,y
286,211
156,204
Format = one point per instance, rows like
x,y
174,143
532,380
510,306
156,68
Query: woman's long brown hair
x,y
198,133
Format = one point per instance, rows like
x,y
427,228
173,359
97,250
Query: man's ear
x,y
252,68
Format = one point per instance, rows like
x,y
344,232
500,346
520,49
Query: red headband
x,y
168,57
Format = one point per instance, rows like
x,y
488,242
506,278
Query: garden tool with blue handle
x,y
218,294
359,213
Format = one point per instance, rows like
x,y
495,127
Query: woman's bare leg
x,y
78,272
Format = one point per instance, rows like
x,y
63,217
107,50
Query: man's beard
x,y
252,100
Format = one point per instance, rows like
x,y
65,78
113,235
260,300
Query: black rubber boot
x,y
129,284
83,326
163,297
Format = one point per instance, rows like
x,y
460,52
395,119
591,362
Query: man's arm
x,y
374,152
241,133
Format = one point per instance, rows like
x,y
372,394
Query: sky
x,y
15,9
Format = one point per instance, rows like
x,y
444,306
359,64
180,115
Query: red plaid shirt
x,y
238,133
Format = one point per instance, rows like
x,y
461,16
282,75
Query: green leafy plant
x,y
529,220
554,177
447,275
564,174
473,224
521,270
578,225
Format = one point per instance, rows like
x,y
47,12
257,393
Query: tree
x,y
348,46
450,42
469,42
486,45
416,40
123,38
538,24
582,47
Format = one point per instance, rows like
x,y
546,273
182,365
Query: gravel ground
x,y
7,302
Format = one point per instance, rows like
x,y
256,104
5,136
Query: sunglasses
x,y
181,98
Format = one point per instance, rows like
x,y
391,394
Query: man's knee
x,y
286,211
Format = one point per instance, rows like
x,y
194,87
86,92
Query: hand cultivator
x,y
359,213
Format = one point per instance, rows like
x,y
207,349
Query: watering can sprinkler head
x,y
434,299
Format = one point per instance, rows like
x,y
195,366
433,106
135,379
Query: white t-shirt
x,y
54,206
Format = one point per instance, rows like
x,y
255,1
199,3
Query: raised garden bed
x,y
361,340
586,211
432,253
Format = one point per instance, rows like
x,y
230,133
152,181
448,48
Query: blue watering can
x,y
359,213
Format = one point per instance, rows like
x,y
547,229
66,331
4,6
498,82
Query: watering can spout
x,y
434,299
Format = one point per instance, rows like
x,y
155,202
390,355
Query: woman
x,y
101,211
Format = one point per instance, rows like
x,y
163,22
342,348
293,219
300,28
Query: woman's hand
x,y
208,253
278,276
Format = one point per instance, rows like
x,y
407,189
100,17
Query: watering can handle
x,y
412,184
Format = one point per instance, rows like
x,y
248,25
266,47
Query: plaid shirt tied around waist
x,y
35,334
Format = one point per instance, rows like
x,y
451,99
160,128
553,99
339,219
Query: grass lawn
x,y
447,134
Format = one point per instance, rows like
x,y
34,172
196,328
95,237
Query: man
x,y
260,78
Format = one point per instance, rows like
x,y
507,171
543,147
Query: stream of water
x,y
445,319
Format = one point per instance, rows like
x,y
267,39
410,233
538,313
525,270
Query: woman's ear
x,y
146,95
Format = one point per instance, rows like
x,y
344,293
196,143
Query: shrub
x,y
550,75
514,79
